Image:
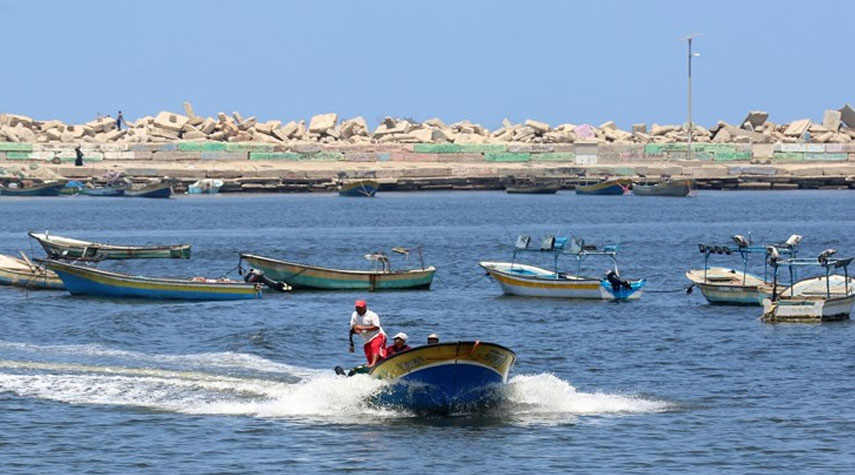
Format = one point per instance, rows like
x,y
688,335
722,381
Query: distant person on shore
x,y
433,339
119,120
366,323
78,162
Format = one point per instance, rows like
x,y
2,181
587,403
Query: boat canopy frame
x,y
745,249
561,245
824,260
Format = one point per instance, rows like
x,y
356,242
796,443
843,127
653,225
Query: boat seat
x,y
522,241
548,243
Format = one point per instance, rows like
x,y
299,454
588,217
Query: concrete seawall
x,y
314,166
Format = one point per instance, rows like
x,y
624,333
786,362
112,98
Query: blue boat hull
x,y
446,378
365,189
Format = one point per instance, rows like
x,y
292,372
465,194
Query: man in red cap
x,y
367,324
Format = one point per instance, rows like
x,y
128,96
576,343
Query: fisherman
x,y
617,283
399,344
366,323
119,120
433,339
78,162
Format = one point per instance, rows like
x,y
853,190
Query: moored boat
x,y
530,281
823,298
82,280
359,188
157,190
24,273
63,247
205,186
44,189
446,377
724,285
612,186
310,277
103,191
532,186
672,187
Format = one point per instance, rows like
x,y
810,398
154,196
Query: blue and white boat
x,y
446,377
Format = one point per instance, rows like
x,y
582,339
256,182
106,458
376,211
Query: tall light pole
x,y
691,55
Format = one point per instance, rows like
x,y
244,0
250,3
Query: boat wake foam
x,y
247,385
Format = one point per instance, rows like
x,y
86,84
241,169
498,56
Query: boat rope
x,y
236,268
470,284
687,290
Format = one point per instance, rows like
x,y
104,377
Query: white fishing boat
x,y
724,285
207,185
822,298
531,281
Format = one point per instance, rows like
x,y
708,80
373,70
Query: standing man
x,y
119,120
78,161
367,323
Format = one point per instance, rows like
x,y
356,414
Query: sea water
x,y
665,383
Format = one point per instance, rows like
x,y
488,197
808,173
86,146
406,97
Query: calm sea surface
x,y
666,383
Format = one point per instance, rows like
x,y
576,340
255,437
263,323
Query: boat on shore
x,y
45,189
59,247
157,190
24,273
445,378
672,187
205,186
612,186
729,286
529,185
824,298
82,280
310,277
103,191
530,281
359,188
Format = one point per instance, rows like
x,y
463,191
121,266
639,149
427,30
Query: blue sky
x,y
553,61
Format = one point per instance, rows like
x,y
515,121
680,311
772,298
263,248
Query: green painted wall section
x,y
274,156
731,156
554,157
16,147
507,157
826,157
201,146
248,147
437,148
483,148
788,156
322,157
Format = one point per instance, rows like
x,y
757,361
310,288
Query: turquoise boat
x,y
80,280
614,186
360,188
308,277
446,378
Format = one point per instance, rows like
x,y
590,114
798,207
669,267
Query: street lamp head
x,y
691,36
696,54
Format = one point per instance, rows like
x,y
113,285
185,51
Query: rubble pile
x,y
837,126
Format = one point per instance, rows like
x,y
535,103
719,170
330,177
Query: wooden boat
x,y
446,377
24,273
62,247
308,277
531,281
80,280
613,186
822,298
723,285
158,190
45,189
359,188
532,186
103,191
207,185
679,187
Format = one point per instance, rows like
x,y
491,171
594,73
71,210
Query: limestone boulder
x,y
831,120
322,122
170,121
756,119
797,128
539,127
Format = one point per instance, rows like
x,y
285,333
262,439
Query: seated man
x,y
399,345
433,338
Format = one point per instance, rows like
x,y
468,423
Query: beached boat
x,y
158,190
724,285
103,191
532,186
207,185
613,186
81,280
445,377
824,298
359,188
677,187
45,189
67,248
24,273
309,277
531,281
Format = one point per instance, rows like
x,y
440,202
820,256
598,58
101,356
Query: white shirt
x,y
369,319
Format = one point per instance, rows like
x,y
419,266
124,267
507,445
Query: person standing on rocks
x,y
78,162
119,119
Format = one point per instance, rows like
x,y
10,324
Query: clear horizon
x,y
555,62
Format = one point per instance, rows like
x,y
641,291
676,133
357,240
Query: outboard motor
x,y
617,282
255,276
